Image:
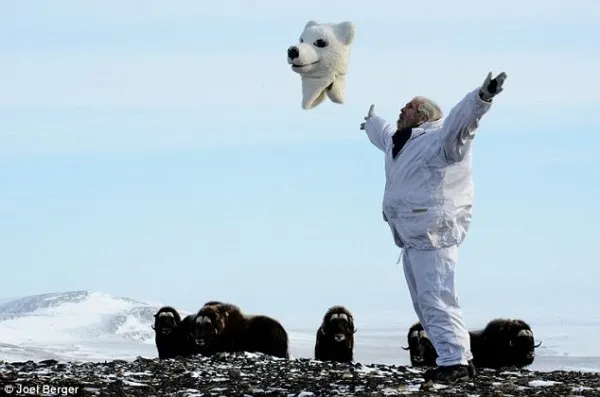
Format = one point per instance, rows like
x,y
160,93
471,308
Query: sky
x,y
158,150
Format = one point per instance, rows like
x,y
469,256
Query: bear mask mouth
x,y
306,64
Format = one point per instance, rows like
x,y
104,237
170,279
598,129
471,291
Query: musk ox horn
x,y
525,332
203,320
538,345
405,348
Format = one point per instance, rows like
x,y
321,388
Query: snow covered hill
x,y
76,325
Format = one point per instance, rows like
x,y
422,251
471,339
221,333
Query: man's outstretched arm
x,y
378,130
459,127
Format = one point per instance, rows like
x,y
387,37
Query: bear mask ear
x,y
345,32
309,24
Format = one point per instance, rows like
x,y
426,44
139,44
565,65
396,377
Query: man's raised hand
x,y
369,115
492,87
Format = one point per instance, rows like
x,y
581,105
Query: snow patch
x,y
542,383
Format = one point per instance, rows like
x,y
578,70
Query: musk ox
x,y
423,353
222,327
505,343
335,336
185,336
421,350
264,334
167,323
216,328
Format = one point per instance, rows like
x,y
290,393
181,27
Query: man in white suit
x,y
427,204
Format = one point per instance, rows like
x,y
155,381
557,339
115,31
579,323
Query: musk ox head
x,y
205,328
166,320
338,324
421,350
522,343
516,336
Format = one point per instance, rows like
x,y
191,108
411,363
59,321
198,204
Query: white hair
x,y
429,109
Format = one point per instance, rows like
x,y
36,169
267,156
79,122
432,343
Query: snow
x,y
60,323
84,326
542,383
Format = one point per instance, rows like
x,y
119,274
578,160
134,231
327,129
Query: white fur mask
x,y
321,59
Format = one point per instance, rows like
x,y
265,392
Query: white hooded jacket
x,y
428,194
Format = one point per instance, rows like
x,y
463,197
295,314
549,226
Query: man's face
x,y
408,114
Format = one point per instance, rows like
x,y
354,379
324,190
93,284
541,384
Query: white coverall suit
x,y
427,204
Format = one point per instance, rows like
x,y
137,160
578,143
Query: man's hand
x,y
491,87
369,115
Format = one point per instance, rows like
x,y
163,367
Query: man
x,y
427,204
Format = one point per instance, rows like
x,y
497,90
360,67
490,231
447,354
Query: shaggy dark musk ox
x,y
266,335
335,336
423,353
505,343
216,328
421,350
185,337
166,328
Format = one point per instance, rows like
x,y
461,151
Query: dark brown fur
x,y
266,335
423,353
167,333
223,333
185,336
232,331
227,309
501,346
327,348
421,350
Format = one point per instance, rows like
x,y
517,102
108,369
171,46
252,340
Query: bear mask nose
x,y
293,52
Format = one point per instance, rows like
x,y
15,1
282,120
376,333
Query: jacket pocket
x,y
416,228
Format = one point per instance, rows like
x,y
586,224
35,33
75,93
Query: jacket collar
x,y
425,127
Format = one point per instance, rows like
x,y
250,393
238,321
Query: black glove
x,y
491,87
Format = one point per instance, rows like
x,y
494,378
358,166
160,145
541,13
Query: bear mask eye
x,y
320,43
301,40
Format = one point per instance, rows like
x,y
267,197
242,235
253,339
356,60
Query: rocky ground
x,y
258,375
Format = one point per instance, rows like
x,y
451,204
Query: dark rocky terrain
x,y
258,375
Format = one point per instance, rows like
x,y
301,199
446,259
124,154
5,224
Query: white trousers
x,y
430,278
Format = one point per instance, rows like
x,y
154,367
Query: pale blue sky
x,y
158,150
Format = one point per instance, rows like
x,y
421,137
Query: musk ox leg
x,y
166,347
431,281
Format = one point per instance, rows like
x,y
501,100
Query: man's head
x,y
418,111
